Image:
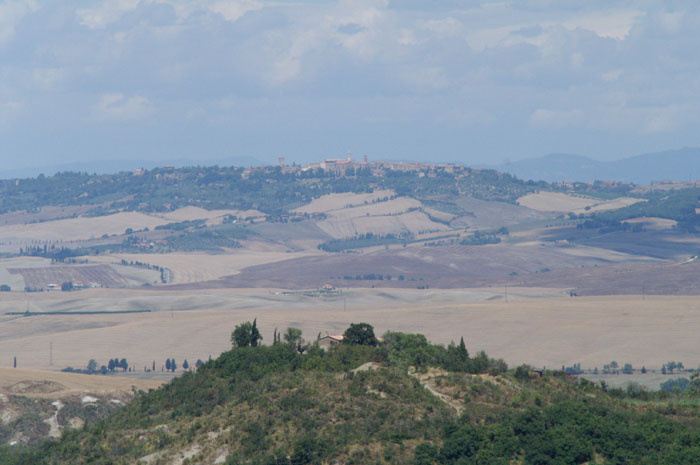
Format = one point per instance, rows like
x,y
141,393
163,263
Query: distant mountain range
x,y
677,165
115,166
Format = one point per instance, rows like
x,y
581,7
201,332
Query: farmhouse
x,y
330,340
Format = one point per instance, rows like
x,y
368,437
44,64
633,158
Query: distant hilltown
x,y
346,166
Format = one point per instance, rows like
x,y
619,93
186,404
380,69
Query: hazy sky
x,y
477,82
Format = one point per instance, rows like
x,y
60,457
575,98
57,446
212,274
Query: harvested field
x,y
195,267
548,331
47,213
664,278
331,202
87,275
15,281
412,222
493,215
666,244
192,213
558,202
79,228
55,385
390,207
448,267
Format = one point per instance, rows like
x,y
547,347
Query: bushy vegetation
x,y
365,402
267,189
678,205
365,240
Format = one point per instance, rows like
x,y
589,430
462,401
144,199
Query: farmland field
x,y
535,325
29,382
557,202
87,275
331,202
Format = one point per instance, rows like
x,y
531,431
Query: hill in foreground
x,y
404,401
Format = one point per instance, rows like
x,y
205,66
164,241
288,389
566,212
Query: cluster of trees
x,y
246,334
56,254
484,238
365,240
115,363
171,365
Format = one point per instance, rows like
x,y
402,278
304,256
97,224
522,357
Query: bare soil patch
x,y
55,385
35,387
449,267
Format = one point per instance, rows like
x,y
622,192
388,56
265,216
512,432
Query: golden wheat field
x,y
543,327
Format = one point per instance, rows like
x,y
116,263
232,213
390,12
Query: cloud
x,y
118,107
105,13
385,70
11,12
232,10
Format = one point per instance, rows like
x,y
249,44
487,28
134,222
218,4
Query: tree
x,y
360,334
15,363
111,365
5,288
123,364
199,363
92,366
246,335
462,349
185,364
255,335
67,286
293,337
154,365
173,365
167,364
241,335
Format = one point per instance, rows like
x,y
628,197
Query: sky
x,y
475,82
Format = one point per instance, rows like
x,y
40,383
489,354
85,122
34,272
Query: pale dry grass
x,y
83,228
654,224
330,202
192,213
558,202
80,228
414,222
70,383
391,207
195,267
543,331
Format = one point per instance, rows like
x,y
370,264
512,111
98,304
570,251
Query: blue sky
x,y
469,81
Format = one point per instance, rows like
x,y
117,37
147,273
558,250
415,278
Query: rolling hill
x,y
682,164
